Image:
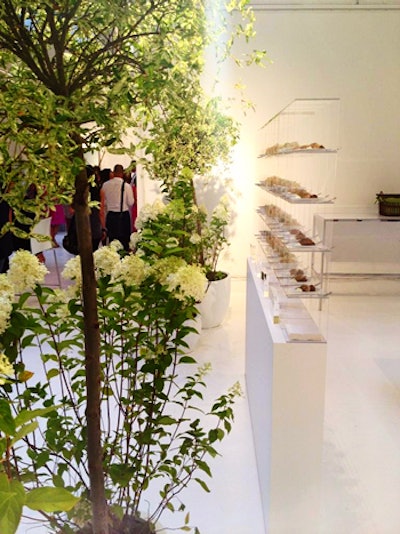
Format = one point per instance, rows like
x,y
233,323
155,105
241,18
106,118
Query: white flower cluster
x,y
236,390
6,369
188,281
26,271
134,240
6,287
105,260
149,212
221,211
163,268
6,298
195,239
5,311
131,270
72,271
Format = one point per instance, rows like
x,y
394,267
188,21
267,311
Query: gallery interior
x,y
314,447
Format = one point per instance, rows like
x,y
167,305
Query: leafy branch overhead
x,y
84,71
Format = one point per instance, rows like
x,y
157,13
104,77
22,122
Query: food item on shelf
x,y
287,257
314,146
273,181
282,186
298,275
306,288
291,146
306,241
271,150
279,215
301,192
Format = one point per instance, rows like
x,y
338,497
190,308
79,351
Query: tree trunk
x,y
92,355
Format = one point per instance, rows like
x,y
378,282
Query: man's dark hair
x,y
118,168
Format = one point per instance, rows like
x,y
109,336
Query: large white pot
x,y
215,304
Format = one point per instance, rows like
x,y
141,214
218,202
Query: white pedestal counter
x,y
285,389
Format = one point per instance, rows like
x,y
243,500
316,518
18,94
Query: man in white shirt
x,y
116,201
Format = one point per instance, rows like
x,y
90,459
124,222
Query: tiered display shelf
x,y
285,347
299,167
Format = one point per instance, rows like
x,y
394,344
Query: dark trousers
x,y
119,227
4,265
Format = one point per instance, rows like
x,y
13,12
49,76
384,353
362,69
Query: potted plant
x,y
187,159
200,237
153,434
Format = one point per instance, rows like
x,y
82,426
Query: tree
x,y
74,76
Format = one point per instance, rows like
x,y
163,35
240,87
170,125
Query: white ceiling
x,y
325,4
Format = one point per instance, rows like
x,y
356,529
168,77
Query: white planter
x,y
215,304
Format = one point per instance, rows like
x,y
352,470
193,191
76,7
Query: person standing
x,y
116,202
133,181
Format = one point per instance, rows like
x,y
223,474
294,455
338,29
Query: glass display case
x,y
298,169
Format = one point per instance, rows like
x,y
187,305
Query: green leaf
x,y
204,467
121,474
12,497
24,431
52,373
7,424
187,359
166,420
27,415
203,484
51,499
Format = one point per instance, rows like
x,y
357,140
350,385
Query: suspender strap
x,y
122,194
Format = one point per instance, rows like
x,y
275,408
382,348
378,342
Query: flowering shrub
x,y
6,369
213,238
183,228
152,433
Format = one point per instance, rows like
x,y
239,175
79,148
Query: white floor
x,y
361,455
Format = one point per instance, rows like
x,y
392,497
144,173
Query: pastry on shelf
x,y
287,257
279,215
312,146
282,186
302,193
291,147
298,275
306,242
307,288
301,237
272,150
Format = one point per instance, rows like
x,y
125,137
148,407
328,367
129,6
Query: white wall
x,y
353,55
349,54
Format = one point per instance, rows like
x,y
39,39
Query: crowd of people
x,y
114,216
